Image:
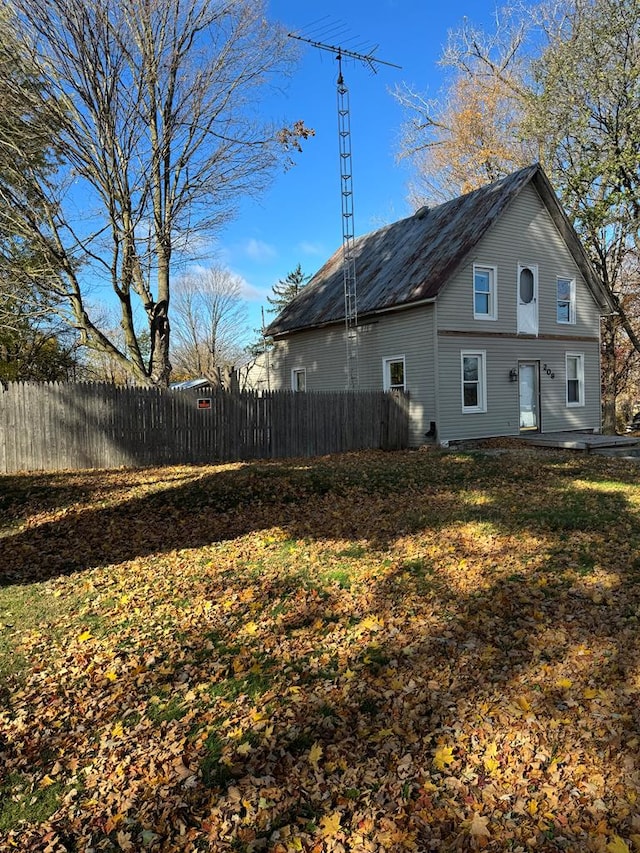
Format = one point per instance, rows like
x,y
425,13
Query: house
x,y
484,309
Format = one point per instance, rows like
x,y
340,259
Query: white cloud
x,y
199,269
249,291
259,251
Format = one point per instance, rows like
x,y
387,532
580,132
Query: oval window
x,y
526,286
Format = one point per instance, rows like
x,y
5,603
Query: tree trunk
x,y
159,363
610,326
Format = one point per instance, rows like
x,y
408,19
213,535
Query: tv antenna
x,y
346,188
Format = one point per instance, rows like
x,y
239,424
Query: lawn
x,y
371,652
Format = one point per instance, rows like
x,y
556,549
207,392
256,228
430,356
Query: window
x,y
566,304
484,293
299,379
393,376
474,382
575,379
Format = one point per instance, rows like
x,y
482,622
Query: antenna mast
x,y
346,188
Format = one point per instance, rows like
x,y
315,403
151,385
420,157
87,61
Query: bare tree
x,y
209,322
154,105
98,365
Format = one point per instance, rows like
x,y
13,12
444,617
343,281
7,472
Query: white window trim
x,y
572,300
294,372
386,372
493,292
482,381
581,401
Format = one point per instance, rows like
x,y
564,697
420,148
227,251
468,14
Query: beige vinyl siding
x,y
525,234
408,333
322,352
502,416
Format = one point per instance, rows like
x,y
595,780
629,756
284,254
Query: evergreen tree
x,y
33,343
286,290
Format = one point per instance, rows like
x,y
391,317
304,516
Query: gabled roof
x,y
412,259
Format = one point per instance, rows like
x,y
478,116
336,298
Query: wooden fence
x,y
59,426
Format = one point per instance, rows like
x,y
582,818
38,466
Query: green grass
x,y
252,685
214,773
21,802
28,608
160,711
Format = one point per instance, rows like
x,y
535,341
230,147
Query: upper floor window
x,y
299,379
566,300
394,377
474,381
575,379
484,293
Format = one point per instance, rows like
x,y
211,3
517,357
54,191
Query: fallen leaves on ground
x,y
371,652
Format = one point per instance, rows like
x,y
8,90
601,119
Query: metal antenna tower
x,y
346,188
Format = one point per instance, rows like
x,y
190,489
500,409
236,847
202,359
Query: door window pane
x,y
527,291
528,393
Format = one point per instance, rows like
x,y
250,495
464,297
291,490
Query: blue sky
x,y
299,219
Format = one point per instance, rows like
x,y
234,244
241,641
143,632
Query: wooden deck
x,y
584,441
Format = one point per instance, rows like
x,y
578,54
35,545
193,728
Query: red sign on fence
x,y
204,402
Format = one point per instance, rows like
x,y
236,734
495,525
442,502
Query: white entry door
x,y
528,373
528,299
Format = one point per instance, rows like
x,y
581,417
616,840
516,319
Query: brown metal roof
x,y
412,259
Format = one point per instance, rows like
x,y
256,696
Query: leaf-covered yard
x,y
372,652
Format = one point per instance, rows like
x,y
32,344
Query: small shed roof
x,y
410,260
190,384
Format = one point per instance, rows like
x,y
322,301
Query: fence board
x,y
57,426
